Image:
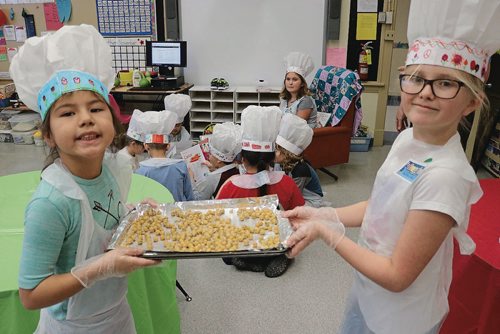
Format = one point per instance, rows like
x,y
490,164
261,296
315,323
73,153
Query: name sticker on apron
x,y
411,170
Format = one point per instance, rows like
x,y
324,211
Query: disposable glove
x,y
116,263
311,224
304,214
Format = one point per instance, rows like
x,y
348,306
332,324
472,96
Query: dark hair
x,y
122,140
157,146
304,90
261,160
46,131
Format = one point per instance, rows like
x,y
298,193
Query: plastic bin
x,y
30,120
6,136
6,114
360,144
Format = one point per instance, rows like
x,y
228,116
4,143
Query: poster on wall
x,y
52,21
121,17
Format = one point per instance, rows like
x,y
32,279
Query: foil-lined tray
x,y
213,228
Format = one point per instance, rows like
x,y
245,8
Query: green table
x,y
151,292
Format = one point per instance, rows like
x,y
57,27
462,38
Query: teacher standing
x,y
295,97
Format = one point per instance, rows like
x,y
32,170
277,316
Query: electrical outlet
x,y
389,35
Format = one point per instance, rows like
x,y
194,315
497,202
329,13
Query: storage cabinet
x,y
212,106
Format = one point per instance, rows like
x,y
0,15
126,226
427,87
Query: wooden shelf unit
x,y
218,106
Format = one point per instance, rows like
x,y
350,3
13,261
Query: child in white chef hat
x,y
180,138
294,137
295,97
172,173
64,270
224,145
424,190
260,126
133,143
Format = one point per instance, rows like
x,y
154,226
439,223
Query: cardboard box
x,y
360,144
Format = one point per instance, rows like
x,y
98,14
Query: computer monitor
x,y
166,55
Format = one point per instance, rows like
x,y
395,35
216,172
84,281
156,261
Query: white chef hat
x,y
153,126
460,34
260,126
225,141
73,58
179,104
299,63
295,134
134,130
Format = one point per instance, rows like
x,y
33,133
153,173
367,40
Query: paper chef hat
x,y
153,126
73,58
260,126
179,104
299,63
225,141
295,134
460,34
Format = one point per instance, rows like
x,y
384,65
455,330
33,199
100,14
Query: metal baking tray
x,y
230,207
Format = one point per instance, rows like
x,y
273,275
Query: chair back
x,y
335,91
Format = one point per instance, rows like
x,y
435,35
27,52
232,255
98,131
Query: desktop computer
x,y
170,57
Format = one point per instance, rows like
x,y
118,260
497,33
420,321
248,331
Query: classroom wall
x,y
82,12
244,41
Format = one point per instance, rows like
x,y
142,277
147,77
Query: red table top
x,y
484,226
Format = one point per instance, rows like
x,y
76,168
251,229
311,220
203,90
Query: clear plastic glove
x,y
116,263
147,201
304,214
311,224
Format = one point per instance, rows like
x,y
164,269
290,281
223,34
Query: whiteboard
x,y
244,41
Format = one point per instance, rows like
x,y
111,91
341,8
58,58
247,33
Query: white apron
x,y
253,181
292,109
103,307
381,229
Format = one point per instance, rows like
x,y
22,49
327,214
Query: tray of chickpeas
x,y
214,228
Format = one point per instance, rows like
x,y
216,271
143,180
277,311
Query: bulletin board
x,y
81,13
354,45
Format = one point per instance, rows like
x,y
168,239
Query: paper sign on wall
x,y
20,34
9,32
11,52
3,53
51,16
336,57
366,26
367,6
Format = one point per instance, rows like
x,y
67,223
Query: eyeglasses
x,y
442,88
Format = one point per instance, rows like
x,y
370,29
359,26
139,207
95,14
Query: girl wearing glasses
x,y
423,192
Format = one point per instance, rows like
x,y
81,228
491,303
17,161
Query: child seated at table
x,y
224,144
179,138
294,137
155,127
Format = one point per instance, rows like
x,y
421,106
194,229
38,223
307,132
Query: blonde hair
x,y
290,160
